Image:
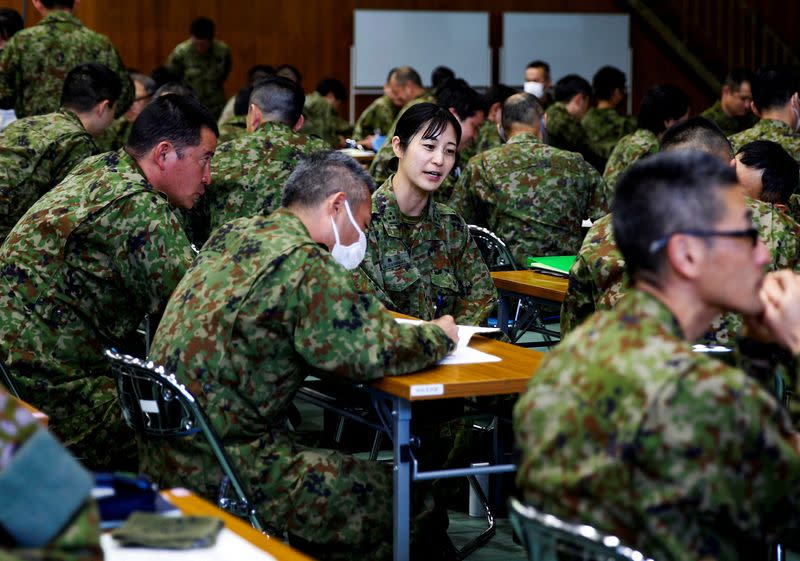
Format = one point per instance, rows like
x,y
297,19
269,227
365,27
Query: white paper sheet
x,y
463,354
229,547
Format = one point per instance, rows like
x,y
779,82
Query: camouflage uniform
x,y
262,307
233,128
604,128
322,120
227,112
729,125
630,148
377,117
445,190
79,540
35,62
379,169
533,196
487,138
411,264
768,129
565,131
77,274
115,136
205,73
249,172
36,153
597,279
624,428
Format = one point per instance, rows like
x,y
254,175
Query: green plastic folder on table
x,y
556,265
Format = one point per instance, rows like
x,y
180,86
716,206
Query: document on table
x,y
463,354
229,547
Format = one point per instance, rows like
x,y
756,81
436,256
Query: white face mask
x,y
534,88
349,256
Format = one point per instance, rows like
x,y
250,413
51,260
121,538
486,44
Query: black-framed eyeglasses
x,y
661,243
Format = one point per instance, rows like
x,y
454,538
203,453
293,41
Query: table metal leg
x,y
502,311
401,423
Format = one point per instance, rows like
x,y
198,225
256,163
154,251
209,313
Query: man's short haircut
x,y
175,118
285,69
540,64
88,84
735,77
404,74
664,194
428,119
162,75
440,74
241,103
10,23
389,75
177,88
259,72
146,81
780,170
773,86
202,28
320,175
569,86
662,103
521,108
456,93
497,94
606,80
51,4
698,133
279,99
334,86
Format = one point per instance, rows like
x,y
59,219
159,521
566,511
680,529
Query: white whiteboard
x,y
423,40
571,43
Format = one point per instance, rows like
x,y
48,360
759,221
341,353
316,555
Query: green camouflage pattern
x,y
36,153
566,132
448,185
597,279
35,62
626,429
409,265
205,73
376,118
227,112
604,128
630,148
379,169
321,120
115,136
729,125
769,129
233,128
533,196
486,139
262,307
80,539
77,275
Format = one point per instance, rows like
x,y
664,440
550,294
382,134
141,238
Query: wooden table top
x,y
38,415
510,375
189,503
529,283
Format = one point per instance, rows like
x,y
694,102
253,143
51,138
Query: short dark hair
x,y
780,170
404,74
177,88
698,133
162,75
389,75
429,118
202,28
606,80
440,74
735,77
88,84
50,4
288,68
539,64
279,98
662,103
259,72
176,118
334,86
10,23
773,87
146,81
322,174
456,93
497,94
241,102
569,86
663,194
521,108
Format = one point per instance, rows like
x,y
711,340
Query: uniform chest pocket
x,y
444,281
399,273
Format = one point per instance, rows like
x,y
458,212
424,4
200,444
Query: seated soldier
x,y
625,428
236,125
256,73
320,113
488,136
37,152
573,96
662,107
604,126
732,112
532,195
116,135
263,305
377,118
85,264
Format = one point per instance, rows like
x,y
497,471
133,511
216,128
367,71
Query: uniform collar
x,y
384,206
775,125
643,307
60,16
524,137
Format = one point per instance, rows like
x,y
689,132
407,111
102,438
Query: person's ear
x,y
686,255
299,124
254,117
396,148
160,154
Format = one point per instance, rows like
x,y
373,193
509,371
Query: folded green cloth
x,y
145,529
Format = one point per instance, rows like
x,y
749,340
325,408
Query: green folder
x,y
555,265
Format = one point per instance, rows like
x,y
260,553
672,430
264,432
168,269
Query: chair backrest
x,y
548,538
494,251
154,403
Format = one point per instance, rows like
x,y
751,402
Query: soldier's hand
x,y
448,325
780,294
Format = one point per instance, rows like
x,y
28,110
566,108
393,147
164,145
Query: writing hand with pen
x,y
445,322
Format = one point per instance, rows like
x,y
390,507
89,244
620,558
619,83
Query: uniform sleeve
x,y
71,151
114,62
352,335
175,63
599,196
462,198
9,75
368,277
477,294
578,303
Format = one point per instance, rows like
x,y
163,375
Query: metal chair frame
x,y
494,251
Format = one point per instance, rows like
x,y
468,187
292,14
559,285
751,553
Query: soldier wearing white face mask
x,y
537,82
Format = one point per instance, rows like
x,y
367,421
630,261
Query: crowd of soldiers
x,y
111,180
